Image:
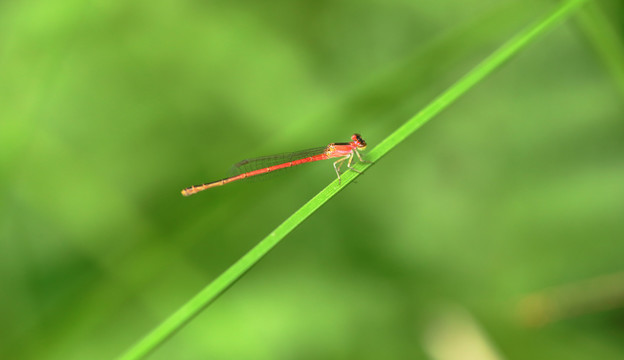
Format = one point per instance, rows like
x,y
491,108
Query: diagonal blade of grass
x,y
234,272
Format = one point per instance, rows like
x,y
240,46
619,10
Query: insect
x,y
266,164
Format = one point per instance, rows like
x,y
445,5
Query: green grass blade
x,y
605,40
194,306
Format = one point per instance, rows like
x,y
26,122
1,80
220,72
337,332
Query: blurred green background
x,y
109,109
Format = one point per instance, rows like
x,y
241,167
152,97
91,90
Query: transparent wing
x,y
271,160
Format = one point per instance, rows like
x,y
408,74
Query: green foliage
x,y
108,110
